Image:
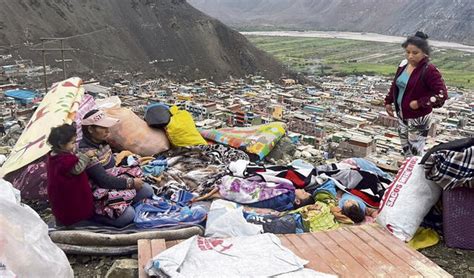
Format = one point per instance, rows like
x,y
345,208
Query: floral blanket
x,y
258,140
253,189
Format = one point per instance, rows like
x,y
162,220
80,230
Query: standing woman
x,y
416,89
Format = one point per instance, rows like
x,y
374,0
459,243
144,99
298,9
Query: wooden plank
x,y
327,257
315,260
419,261
171,243
157,246
144,255
363,258
356,270
384,251
288,244
380,263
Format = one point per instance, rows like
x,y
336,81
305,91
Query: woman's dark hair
x,y
419,40
61,135
85,130
354,213
304,202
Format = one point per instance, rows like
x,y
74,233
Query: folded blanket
x,y
258,140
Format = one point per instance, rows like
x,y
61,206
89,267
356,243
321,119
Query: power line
x,y
43,50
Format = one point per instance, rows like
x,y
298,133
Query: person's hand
x,y
138,183
91,153
389,110
414,105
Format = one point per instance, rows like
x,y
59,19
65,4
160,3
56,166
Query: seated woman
x,y
260,191
113,195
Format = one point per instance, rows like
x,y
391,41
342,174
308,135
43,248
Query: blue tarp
x,y
24,96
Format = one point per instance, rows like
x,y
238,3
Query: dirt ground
x,y
458,262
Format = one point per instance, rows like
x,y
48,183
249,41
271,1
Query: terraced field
x,y
338,56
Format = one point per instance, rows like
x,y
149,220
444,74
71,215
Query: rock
x,y
123,269
284,146
297,154
313,152
463,266
459,252
100,264
83,259
471,269
443,263
306,154
72,260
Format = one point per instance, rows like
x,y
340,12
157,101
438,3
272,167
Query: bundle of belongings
x,y
413,199
451,167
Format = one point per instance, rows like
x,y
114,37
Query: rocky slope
x,y
451,20
162,37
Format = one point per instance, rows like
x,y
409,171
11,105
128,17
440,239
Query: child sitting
x,y
260,192
69,192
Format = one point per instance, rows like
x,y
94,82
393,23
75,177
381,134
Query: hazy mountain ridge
x,y
450,20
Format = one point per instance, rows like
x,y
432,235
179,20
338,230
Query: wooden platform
x,y
356,251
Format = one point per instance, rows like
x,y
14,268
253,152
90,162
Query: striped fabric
x,y
451,169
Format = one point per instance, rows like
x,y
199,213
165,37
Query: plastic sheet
x,y
25,247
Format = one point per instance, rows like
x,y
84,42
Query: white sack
x,y
25,247
407,200
253,256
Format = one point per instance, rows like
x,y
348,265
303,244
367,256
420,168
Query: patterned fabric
x,y
317,217
413,134
112,203
87,104
197,168
59,106
451,169
160,213
258,140
109,202
31,180
253,189
299,176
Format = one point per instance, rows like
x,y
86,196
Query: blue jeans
x,y
129,214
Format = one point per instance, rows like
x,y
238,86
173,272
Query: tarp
x,y
21,94
58,107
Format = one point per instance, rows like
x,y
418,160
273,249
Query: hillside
x,y
157,37
447,20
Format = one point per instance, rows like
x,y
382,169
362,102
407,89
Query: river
x,y
357,36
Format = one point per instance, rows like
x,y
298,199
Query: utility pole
x,y
44,50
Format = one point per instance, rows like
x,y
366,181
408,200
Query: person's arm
x,y
213,194
81,165
389,98
371,212
435,83
98,174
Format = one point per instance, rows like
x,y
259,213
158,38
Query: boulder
x,y
123,269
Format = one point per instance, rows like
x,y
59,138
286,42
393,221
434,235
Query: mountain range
x,y
446,20
159,37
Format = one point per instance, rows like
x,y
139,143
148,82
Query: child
x,y
260,192
350,205
69,192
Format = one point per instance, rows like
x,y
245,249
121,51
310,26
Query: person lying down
x,y
260,191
